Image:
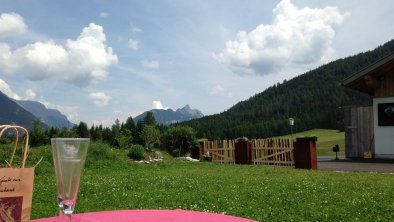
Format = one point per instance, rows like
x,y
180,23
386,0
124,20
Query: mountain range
x,y
315,99
51,117
24,112
169,116
13,114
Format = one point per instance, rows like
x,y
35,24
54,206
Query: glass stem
x,y
64,217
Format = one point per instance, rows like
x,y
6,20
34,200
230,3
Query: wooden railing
x,y
278,152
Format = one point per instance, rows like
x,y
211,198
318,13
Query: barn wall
x,y
358,131
387,86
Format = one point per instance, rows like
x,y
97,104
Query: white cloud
x,y
30,94
133,44
11,24
104,14
158,105
6,89
78,62
220,90
296,37
152,64
99,98
135,29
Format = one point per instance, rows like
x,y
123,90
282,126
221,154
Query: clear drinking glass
x,y
69,156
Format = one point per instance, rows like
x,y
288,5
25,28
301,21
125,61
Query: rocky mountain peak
x,y
170,116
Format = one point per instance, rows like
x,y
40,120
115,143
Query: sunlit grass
x,y
255,192
326,139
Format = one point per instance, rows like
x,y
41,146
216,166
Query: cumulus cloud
x,y
99,98
78,62
220,90
11,24
6,89
152,64
296,37
133,44
158,105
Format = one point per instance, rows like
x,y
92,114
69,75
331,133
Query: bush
x,y
99,151
179,140
136,152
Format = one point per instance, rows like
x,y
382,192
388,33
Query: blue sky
x,y
100,60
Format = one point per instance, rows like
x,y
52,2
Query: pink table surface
x,y
149,216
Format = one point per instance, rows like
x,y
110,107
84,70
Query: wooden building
x,y
372,128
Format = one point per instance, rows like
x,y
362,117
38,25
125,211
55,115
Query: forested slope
x,y
315,99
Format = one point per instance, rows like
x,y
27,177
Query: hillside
x,y
12,113
326,139
51,117
314,99
169,116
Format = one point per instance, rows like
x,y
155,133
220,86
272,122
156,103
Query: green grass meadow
x,y
326,139
255,192
111,181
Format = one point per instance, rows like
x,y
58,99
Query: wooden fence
x,y
278,152
221,151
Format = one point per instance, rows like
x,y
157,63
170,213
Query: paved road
x,y
359,165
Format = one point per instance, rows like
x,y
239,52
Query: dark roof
x,y
380,68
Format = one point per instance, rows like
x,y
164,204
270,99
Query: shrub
x,y
179,140
136,152
99,151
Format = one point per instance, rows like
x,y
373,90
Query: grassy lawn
x,y
326,139
110,182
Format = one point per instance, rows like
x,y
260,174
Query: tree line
x,y
177,140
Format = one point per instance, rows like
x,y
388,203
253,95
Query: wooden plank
x,y
359,131
354,138
271,155
272,161
387,86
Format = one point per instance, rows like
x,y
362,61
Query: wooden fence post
x,y
305,156
243,151
201,143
